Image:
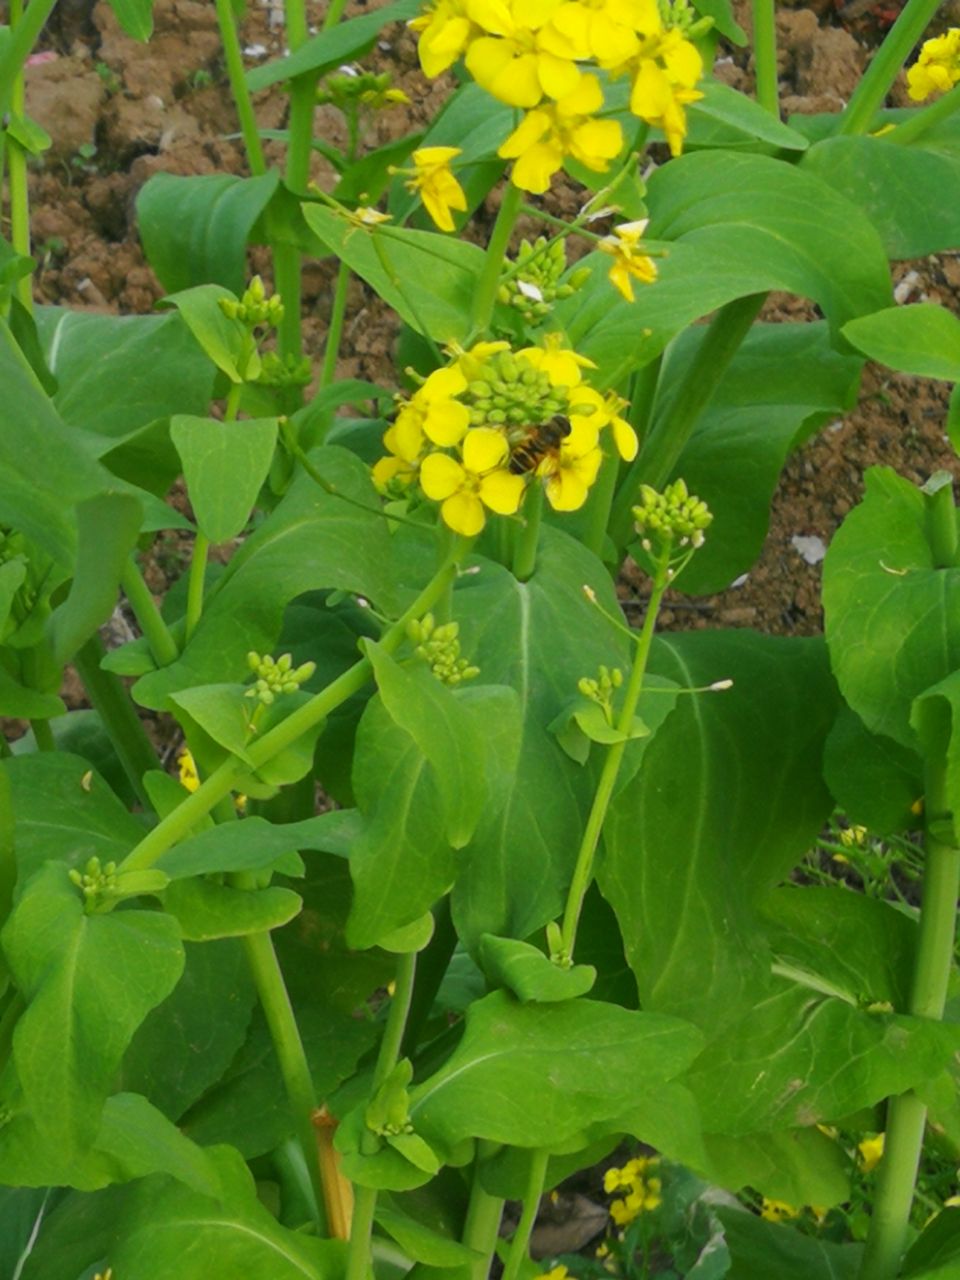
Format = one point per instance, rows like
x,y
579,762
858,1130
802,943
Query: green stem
x,y
361,1229
338,310
195,584
907,1114
519,1245
110,700
482,1225
671,430
869,95
17,175
583,871
924,119
941,519
232,407
221,782
528,535
431,968
43,735
23,36
486,294
160,642
233,56
765,55
334,14
294,1068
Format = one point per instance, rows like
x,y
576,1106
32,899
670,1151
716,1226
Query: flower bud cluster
x,y
254,309
95,881
350,86
286,371
537,284
439,647
276,676
601,690
674,516
511,392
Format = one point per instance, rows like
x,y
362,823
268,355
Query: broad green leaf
x,y
861,948
922,339
893,185
135,16
728,799
205,910
419,1242
409,937
445,732
582,1060
721,11
221,711
311,540
892,619
21,1208
330,49
89,981
223,340
798,1058
28,704
180,1050
760,1250
743,116
118,374
876,782
194,230
529,974
107,528
735,225
170,1230
428,278
65,810
936,1254
224,466
139,1140
384,1167
249,845
798,1166
76,1234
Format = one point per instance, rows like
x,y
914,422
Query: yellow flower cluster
x,y
938,67
479,430
537,55
639,1180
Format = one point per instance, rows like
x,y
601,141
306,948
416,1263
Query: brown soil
x,y
165,106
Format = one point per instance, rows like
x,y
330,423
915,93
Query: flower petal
x,y
441,476
534,169
558,77
502,492
463,513
484,448
446,422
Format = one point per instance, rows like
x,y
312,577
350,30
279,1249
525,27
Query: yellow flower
x,y
561,364
472,364
432,411
628,259
445,30
187,769
589,408
393,471
366,216
871,1149
663,84
548,135
439,190
557,1273
851,836
572,469
778,1210
522,58
938,68
482,480
606,30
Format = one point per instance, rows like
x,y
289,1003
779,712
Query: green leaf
x,y
179,1051
195,230
221,711
797,1058
135,16
118,374
798,1166
892,619
935,718
760,1250
225,341
249,845
419,1242
582,1060
744,116
923,339
76,1233
428,278
28,704
935,1255
89,982
170,1230
311,540
107,528
728,799
205,910
139,1140
330,49
224,466
875,781
530,975
722,13
65,810
409,937
32,137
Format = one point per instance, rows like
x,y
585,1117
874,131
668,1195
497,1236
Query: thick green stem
x,y
482,1226
23,36
294,1068
221,782
161,643
17,175
520,1243
583,871
907,1114
486,294
124,727
195,584
765,55
528,534
920,121
361,1229
233,56
338,310
869,95
671,430
43,735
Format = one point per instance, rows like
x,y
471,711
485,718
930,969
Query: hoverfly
x,y
540,442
